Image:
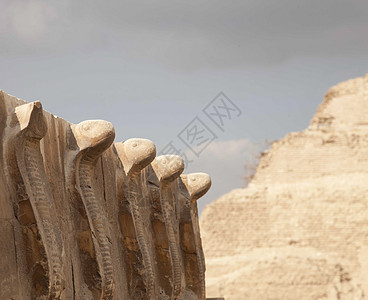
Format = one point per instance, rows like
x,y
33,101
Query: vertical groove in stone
x,y
94,138
96,218
199,252
141,239
168,213
41,204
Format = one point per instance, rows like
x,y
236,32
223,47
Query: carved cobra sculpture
x,y
167,169
29,158
93,138
194,186
135,154
83,219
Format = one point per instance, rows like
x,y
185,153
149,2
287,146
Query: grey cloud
x,y
227,163
191,34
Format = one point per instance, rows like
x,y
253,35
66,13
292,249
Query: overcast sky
x,y
151,67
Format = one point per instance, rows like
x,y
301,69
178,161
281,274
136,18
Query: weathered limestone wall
x,y
300,230
84,218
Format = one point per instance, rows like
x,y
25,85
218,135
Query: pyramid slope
x,y
300,230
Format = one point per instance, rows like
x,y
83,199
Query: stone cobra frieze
x,y
82,217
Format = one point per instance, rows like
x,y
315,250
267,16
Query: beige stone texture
x,y
299,231
84,218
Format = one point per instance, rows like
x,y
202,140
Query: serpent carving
x,y
136,154
82,218
93,138
29,158
168,168
194,186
